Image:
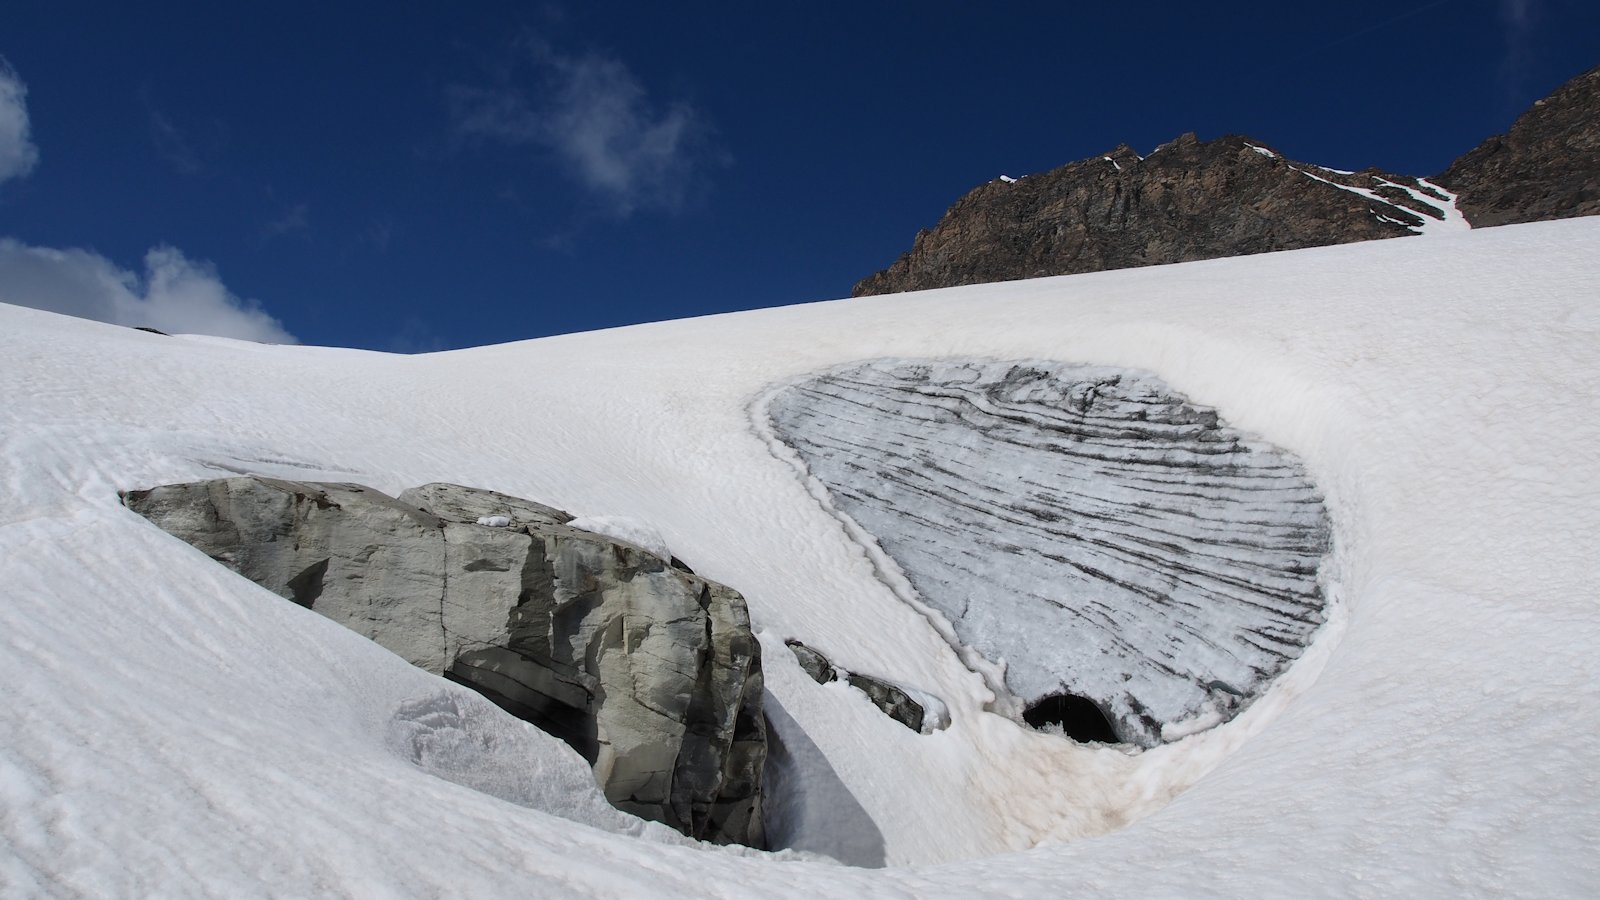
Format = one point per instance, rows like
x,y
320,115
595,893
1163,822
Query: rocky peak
x,y
1182,141
1546,167
1189,199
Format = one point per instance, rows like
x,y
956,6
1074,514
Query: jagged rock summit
x,y
648,671
1187,200
1233,196
1546,167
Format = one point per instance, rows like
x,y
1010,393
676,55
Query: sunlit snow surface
x,y
172,730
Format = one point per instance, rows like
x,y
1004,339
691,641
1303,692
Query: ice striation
x,y
1088,527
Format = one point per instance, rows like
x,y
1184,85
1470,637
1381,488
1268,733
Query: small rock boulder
x,y
812,663
887,696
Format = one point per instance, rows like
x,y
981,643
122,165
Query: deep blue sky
x,y
417,176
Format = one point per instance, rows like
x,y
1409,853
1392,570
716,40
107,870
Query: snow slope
x,y
168,729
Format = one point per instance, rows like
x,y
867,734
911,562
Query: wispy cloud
x,y
1380,25
379,233
18,154
191,148
1519,14
1519,18
170,142
174,293
293,219
592,114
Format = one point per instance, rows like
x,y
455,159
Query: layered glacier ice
x,y
1087,526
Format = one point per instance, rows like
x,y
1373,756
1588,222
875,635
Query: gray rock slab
x,y
457,503
347,551
650,672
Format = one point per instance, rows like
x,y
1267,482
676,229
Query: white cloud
x,y
592,113
18,155
174,294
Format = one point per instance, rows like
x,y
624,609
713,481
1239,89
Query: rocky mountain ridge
x,y
1233,196
1547,166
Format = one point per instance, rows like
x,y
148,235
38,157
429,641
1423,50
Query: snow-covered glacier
x,y
169,729
1103,537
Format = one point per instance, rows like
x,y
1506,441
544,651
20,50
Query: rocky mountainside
x,y
1546,167
1234,196
1187,200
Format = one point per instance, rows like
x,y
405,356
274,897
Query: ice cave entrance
x,y
1077,717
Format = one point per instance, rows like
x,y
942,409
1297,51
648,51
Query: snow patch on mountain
x,y
1434,208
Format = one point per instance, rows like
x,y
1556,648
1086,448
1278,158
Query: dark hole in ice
x,y
1078,717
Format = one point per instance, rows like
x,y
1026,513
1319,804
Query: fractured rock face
x,y
650,672
1103,537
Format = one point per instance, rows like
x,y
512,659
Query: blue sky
x,y
408,176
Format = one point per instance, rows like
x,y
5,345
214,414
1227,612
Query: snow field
x,y
170,729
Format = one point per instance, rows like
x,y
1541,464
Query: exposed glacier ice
x,y
1086,525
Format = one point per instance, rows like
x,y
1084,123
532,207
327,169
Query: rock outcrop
x,y
890,698
455,503
1546,167
650,672
812,663
1187,200
1121,550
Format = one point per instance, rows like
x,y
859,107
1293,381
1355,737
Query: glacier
x,y
1107,540
170,729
